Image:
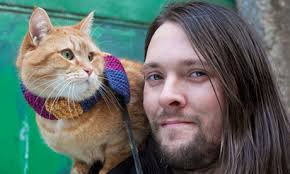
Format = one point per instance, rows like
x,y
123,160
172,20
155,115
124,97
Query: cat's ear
x,y
39,25
86,24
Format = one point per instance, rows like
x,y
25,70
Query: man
x,y
210,97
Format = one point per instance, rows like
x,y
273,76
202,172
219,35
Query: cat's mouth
x,y
82,91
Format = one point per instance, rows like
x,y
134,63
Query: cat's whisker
x,y
55,99
106,99
74,97
58,95
67,82
72,74
42,77
60,83
31,74
48,75
43,84
113,98
69,88
103,93
110,93
45,90
54,88
102,77
107,89
110,96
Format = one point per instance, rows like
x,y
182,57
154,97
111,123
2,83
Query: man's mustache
x,y
166,114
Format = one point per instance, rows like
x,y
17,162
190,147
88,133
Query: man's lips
x,y
175,122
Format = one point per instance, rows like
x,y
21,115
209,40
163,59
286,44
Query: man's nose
x,y
172,95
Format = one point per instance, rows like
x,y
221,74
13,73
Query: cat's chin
x,y
82,92
79,98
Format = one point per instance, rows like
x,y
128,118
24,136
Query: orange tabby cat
x,y
63,62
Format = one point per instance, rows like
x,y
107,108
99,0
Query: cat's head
x,y
60,61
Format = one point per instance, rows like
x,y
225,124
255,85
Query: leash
x,y
132,143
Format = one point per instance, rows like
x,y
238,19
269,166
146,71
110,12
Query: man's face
x,y
180,100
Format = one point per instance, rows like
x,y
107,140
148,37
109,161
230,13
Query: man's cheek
x,y
149,110
209,132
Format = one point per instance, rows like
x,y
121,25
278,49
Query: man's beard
x,y
196,154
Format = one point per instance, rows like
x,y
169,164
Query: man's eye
x,y
154,77
198,74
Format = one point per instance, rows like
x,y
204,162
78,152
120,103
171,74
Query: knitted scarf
x,y
115,76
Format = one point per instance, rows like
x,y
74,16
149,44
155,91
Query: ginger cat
x,y
63,62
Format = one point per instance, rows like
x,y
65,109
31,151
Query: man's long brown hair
x,y
256,134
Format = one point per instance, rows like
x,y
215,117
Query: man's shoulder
x,y
149,162
126,166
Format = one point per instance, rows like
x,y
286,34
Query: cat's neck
x,y
40,105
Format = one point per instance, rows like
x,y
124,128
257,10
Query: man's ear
x,y
86,24
39,25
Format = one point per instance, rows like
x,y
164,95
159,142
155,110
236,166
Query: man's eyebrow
x,y
192,62
150,66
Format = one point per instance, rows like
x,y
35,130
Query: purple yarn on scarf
x,y
117,78
37,103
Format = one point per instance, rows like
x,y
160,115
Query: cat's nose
x,y
88,71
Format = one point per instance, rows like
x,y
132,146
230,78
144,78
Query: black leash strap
x,y
132,142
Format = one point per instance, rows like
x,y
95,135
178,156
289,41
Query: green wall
x,y
119,28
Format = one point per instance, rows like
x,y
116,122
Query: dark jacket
x,y
149,161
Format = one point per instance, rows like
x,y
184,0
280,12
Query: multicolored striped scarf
x,y
115,76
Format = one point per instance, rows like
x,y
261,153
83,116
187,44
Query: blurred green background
x,y
119,28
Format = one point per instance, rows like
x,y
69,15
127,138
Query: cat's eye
x,y
91,56
68,54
